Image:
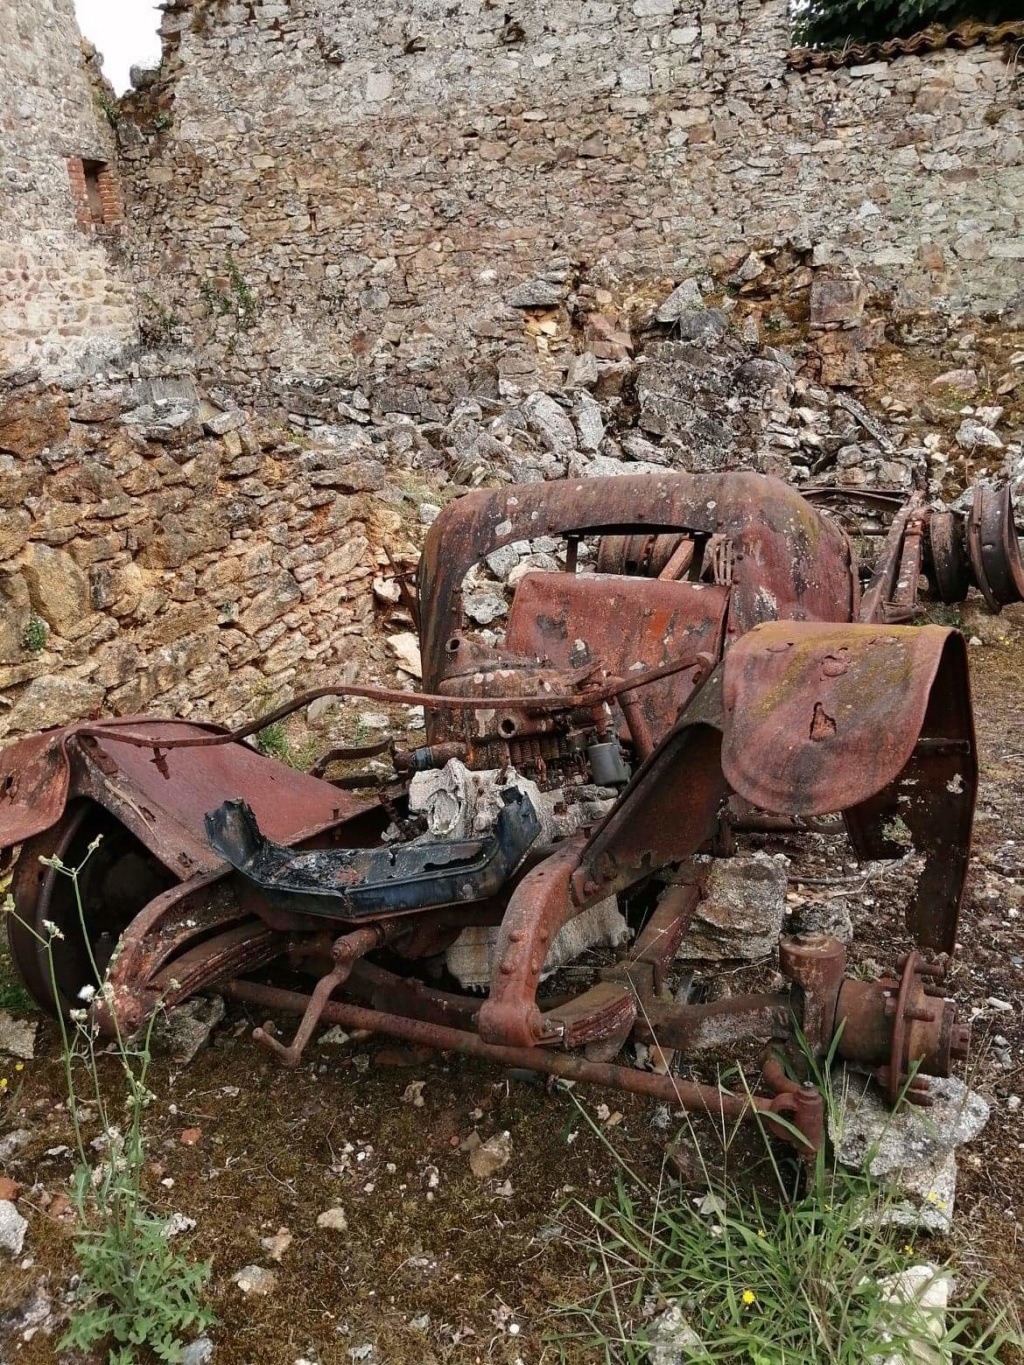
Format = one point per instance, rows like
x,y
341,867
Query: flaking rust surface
x,y
475,1260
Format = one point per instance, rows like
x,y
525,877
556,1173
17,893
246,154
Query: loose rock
x,y
17,1036
672,1341
12,1228
487,1158
255,1279
333,1219
742,913
185,1030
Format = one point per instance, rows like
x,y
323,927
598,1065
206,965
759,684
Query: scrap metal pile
x,y
725,665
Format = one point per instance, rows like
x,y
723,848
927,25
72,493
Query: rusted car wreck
x,y
724,664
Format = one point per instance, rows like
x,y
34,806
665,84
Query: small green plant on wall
x,y
238,301
33,636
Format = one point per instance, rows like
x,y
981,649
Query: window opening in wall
x,y
94,192
91,171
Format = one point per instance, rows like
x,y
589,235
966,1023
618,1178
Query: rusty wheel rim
x,y
950,565
44,895
993,547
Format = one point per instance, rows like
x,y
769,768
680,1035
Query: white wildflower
x,y
87,993
52,929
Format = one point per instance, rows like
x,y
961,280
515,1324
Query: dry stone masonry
x,y
64,292
443,247
404,192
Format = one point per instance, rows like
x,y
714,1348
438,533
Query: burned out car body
x,y
725,664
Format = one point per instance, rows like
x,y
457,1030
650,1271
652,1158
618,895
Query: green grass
x,y
138,1295
775,1266
272,740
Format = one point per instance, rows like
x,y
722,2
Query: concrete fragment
x,y
867,1127
742,913
672,1341
186,1029
912,1150
12,1228
255,1279
17,1036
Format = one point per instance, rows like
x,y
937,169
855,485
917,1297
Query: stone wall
x,y
330,188
161,553
158,555
64,300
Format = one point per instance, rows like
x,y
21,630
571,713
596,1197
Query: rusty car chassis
x,y
724,665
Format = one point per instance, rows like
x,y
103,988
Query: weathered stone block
x,y
742,914
58,589
268,605
54,699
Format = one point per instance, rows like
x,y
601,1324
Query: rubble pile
x,y
163,547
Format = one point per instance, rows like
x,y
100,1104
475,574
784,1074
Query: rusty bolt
x,y
921,1015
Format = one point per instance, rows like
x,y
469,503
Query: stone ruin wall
x,y
65,299
395,268
339,190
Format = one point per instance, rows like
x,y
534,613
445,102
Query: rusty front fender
x,y
873,721
35,777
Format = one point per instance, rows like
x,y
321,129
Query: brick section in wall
x,y
95,193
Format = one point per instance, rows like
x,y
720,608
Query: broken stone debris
x,y
912,1150
17,1036
333,1219
742,913
672,1341
186,1029
12,1229
926,1289
276,1246
487,1158
406,649
725,398
198,1352
177,1224
255,1279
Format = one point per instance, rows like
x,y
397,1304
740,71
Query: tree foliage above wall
x,y
833,22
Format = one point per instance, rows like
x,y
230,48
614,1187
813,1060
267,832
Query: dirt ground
x,y
438,1265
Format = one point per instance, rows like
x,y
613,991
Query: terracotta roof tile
x,y
932,39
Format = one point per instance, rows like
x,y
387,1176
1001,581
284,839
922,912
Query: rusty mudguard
x,y
805,719
161,795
